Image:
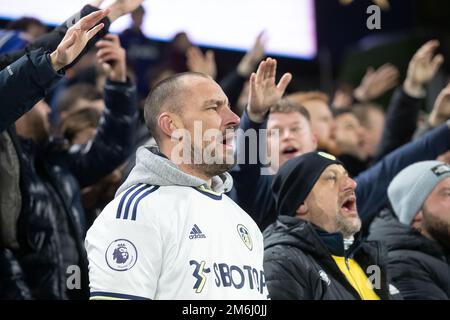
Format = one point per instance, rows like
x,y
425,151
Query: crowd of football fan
x,y
72,117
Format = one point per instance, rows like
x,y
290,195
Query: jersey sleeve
x,y
125,257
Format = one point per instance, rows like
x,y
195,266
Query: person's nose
x,y
230,119
286,134
350,184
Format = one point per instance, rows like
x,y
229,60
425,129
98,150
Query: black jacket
x,y
51,225
420,268
298,262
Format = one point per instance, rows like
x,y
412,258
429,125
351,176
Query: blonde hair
x,y
302,97
288,106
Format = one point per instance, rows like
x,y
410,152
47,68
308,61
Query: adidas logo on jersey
x,y
196,233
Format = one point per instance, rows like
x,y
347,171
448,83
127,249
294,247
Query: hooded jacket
x,y
420,268
299,265
180,239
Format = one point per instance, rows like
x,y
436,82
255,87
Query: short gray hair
x,y
165,96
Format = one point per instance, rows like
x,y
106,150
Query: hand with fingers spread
x,y
422,68
251,59
76,39
377,82
342,100
203,63
264,92
112,57
441,109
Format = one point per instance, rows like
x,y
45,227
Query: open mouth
x,y
349,205
289,151
228,140
361,143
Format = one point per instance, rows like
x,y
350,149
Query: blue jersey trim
x,y
122,201
142,196
130,200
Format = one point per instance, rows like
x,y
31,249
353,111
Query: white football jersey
x,y
175,242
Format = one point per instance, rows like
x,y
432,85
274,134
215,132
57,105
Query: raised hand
x,y
441,109
76,38
113,57
203,63
342,100
422,68
251,59
264,92
376,82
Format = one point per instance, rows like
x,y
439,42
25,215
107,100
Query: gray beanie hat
x,y
411,187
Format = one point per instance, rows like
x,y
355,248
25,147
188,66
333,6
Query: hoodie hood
x,y
154,169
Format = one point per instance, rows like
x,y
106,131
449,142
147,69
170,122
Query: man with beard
x,y
185,239
314,250
417,231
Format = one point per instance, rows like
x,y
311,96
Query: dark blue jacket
x,y
52,222
252,191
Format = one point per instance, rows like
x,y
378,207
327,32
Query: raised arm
x,y
377,82
51,40
249,185
404,108
114,140
25,82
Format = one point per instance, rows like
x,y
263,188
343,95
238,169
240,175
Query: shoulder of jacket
x,y
286,255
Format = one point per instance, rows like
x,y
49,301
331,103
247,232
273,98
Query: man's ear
x,y
302,210
169,122
417,221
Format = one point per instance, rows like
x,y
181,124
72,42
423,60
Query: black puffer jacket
x,y
298,263
420,268
52,225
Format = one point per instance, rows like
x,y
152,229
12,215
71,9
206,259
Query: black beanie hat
x,y
296,178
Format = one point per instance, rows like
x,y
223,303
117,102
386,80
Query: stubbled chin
x,y
349,213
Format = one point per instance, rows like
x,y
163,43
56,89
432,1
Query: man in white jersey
x,y
171,232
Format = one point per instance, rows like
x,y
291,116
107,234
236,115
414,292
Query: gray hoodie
x,y
157,170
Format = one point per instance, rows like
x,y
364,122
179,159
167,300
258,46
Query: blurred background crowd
x,y
367,92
